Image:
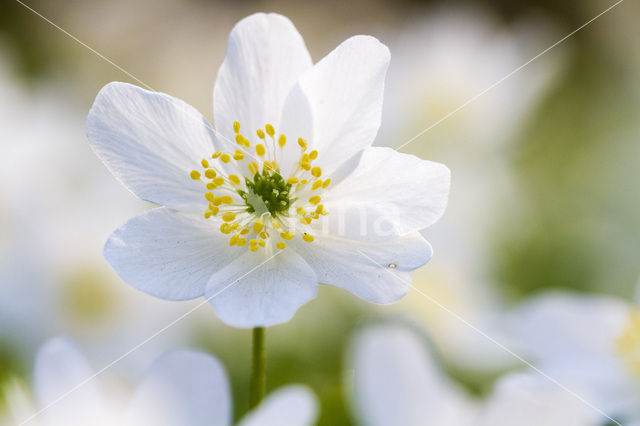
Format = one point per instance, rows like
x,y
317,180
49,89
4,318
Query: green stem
x,y
258,369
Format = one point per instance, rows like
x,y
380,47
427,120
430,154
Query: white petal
x,y
182,388
150,142
265,56
378,273
529,399
63,384
388,194
258,289
572,338
397,381
168,254
344,91
289,406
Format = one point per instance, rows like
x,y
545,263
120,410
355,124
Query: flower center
x,y
627,345
258,206
272,189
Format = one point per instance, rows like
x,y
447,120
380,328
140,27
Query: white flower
x,y
182,388
591,343
398,380
285,193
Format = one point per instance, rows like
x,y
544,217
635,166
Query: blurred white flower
x,y
181,388
441,61
590,343
227,211
397,379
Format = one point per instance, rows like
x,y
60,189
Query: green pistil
x,y
272,189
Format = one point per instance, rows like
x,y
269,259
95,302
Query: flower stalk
x,y
258,367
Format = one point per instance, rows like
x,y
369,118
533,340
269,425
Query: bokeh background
x,y
545,165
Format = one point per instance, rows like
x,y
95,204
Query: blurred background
x,y
545,174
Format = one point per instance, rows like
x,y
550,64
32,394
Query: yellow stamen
x,y
225,158
195,175
228,217
204,163
281,245
235,179
315,199
282,140
270,130
292,180
209,173
316,171
308,238
218,181
257,227
260,150
287,235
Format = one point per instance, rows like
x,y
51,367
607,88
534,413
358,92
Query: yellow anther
x,y
228,217
260,150
254,247
225,158
207,214
313,154
316,171
320,208
253,167
308,238
224,199
218,181
235,226
281,245
302,143
317,184
244,231
315,199
264,235
238,156
234,239
216,154
305,165
225,228
305,220
209,173
211,186
326,183
241,242
214,210
300,210
204,163
195,175
270,130
260,133
304,182
305,158
261,243
209,196
236,126
282,140
257,227
235,179
240,140
292,180
287,235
